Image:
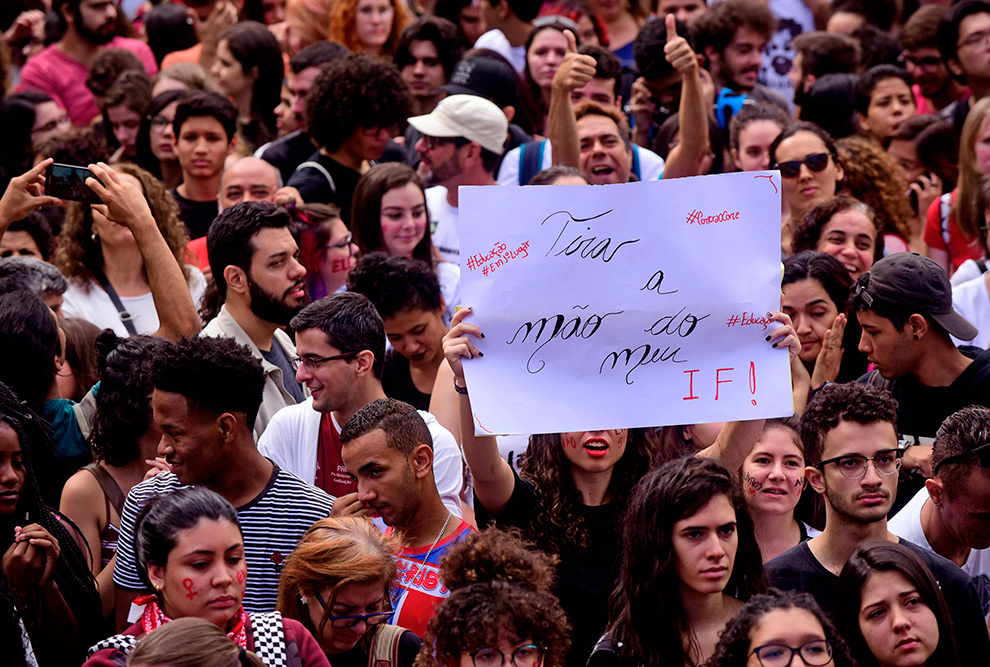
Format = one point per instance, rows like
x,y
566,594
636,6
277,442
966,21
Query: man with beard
x,y
254,261
462,140
850,448
934,87
731,36
819,53
86,27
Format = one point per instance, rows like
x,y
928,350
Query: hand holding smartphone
x,y
67,181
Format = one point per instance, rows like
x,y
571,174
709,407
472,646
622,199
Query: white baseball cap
x,y
468,116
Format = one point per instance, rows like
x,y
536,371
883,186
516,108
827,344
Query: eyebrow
x,y
277,255
197,552
368,465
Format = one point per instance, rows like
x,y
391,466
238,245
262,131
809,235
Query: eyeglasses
x,y
158,124
792,168
854,466
61,121
982,453
929,63
342,244
312,363
816,652
432,143
975,39
527,655
344,622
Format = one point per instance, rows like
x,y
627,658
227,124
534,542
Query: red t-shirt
x,y
959,248
331,475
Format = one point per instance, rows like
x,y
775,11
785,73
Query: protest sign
x,y
640,304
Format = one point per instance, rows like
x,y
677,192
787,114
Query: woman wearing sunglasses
x,y
336,584
810,171
781,629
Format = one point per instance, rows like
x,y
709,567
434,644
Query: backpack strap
x,y
269,638
312,164
385,646
635,164
123,643
530,160
114,494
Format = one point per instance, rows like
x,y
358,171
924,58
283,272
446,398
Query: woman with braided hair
x,y
49,607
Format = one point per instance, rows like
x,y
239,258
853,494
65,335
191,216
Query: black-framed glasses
x,y
432,143
158,124
342,244
61,121
312,363
815,653
350,620
982,453
815,163
527,655
975,39
853,466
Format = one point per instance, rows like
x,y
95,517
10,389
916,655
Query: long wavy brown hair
x,y
557,525
964,208
872,176
79,256
342,26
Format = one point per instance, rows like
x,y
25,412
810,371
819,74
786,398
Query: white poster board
x,y
620,306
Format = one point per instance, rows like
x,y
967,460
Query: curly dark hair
x,y
80,257
872,176
873,557
851,401
808,232
498,593
122,408
72,574
557,525
870,79
734,648
717,27
212,373
396,284
355,92
648,613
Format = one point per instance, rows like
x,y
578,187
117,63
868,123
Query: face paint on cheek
x,y
752,486
570,441
799,483
340,265
242,575
620,438
191,592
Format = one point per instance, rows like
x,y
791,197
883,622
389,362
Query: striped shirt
x,y
272,524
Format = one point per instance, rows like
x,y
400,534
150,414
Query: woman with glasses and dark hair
x,y
156,139
778,628
27,118
336,583
500,612
891,610
326,247
190,552
810,171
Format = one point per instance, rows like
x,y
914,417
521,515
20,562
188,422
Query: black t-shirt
x,y
276,356
798,569
398,383
326,182
288,152
585,578
409,645
197,215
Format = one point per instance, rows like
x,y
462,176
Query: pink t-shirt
x,y
64,78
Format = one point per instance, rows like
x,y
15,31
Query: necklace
x,y
426,558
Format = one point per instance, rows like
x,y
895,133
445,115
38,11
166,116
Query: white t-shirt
x,y
94,305
449,276
972,301
793,18
497,41
907,525
443,223
650,164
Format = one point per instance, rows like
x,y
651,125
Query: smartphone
x,y
67,181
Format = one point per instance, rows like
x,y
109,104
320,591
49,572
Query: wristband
x,y
458,389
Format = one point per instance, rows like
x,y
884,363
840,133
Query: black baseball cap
x,y
485,76
909,280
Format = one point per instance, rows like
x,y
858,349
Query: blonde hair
x,y
333,553
965,208
190,642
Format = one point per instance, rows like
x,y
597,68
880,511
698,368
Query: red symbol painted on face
x,y
190,591
242,575
570,441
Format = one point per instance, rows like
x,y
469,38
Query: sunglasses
x,y
982,453
792,168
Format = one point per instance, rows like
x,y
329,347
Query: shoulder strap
x,y
874,378
530,160
944,208
635,164
981,264
312,164
385,646
269,637
125,316
123,643
111,489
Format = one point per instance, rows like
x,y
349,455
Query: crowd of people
x,y
235,428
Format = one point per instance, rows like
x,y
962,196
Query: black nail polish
x,y
768,338
481,354
774,345
482,335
